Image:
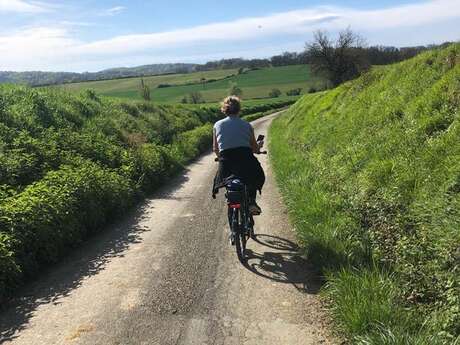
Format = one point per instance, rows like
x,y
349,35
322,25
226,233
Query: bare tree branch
x,y
338,60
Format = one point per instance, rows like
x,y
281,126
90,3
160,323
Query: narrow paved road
x,y
167,275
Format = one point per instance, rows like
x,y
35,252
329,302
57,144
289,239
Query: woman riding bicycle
x,y
235,144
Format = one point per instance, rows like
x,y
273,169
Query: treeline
x,y
376,55
38,78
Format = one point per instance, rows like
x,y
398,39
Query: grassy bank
x,y
370,172
70,164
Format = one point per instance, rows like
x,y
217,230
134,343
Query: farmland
x,y
213,85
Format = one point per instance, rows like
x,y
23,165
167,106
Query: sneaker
x,y
254,209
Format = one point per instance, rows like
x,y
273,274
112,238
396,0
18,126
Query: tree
x,y
144,90
287,59
91,94
196,97
274,93
339,60
235,90
294,92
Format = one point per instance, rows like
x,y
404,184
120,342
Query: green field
x,y
370,172
255,84
115,87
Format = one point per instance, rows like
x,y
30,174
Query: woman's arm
x,y
254,145
215,146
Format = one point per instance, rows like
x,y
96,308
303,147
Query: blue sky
x,y
91,35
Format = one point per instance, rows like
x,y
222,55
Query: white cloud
x,y
73,23
425,12
294,22
56,48
113,11
22,6
36,48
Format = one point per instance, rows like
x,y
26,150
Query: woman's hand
x,y
260,144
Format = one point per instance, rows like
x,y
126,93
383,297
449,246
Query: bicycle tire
x,y
251,229
240,239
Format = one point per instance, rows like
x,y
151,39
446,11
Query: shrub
x,y
59,211
10,272
150,167
235,90
294,92
274,93
192,143
196,97
266,106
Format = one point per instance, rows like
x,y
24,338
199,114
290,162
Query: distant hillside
x,y
145,70
38,78
213,85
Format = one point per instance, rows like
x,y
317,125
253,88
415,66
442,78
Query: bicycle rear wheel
x,y
251,229
240,239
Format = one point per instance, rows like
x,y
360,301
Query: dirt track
x,y
168,275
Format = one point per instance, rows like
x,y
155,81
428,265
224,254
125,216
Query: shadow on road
x,y
282,263
88,260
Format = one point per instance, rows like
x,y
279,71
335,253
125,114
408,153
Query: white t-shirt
x,y
233,132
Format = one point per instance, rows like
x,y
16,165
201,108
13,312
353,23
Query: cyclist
x,y
235,144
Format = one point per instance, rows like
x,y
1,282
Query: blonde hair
x,y
231,106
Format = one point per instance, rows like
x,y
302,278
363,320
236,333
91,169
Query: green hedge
x,y
253,107
371,175
57,211
40,222
71,164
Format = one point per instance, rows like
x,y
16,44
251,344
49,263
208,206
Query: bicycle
x,y
240,219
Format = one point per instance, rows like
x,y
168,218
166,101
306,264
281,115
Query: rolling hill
x,y
213,85
40,78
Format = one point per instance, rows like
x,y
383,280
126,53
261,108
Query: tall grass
x,y
371,172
